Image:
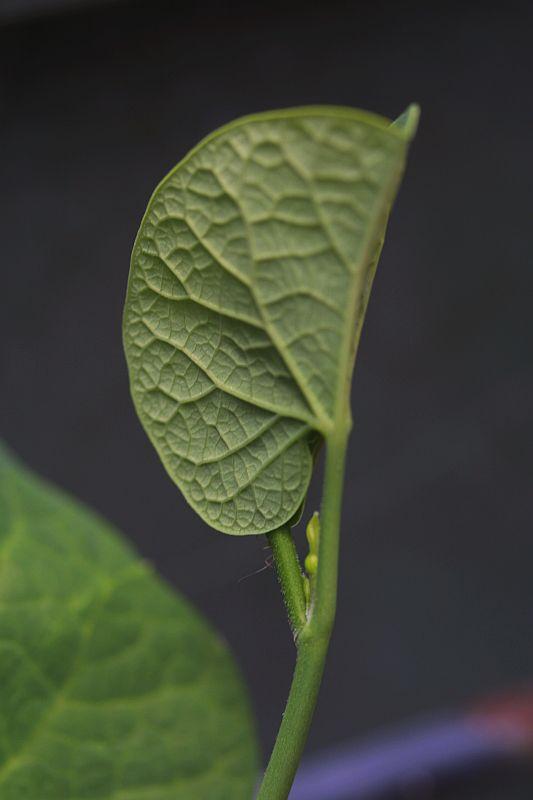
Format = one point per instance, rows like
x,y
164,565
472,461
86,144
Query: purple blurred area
x,y
408,760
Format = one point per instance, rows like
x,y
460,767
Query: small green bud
x,y
313,532
311,563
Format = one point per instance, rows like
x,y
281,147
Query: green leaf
x,y
111,686
249,281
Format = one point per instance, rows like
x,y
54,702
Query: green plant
x,y
249,283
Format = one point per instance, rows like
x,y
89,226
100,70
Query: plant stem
x,y
324,601
312,640
290,576
296,722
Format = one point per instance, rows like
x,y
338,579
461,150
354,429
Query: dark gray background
x,y
436,590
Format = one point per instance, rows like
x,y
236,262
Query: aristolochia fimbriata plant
x,y
249,281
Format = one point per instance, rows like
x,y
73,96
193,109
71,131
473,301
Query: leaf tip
x,y
407,122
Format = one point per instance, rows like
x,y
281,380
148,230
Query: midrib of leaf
x,y
322,422
334,422
352,328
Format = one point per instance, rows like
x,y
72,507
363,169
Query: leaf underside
x,y
249,281
111,686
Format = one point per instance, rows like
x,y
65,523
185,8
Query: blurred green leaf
x,y
111,686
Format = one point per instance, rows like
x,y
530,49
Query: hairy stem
x,y
290,576
313,637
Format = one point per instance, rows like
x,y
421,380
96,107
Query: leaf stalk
x,y
289,576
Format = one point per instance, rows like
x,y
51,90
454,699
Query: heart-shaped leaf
x,y
249,281
111,686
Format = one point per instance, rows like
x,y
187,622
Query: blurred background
x,y
97,102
